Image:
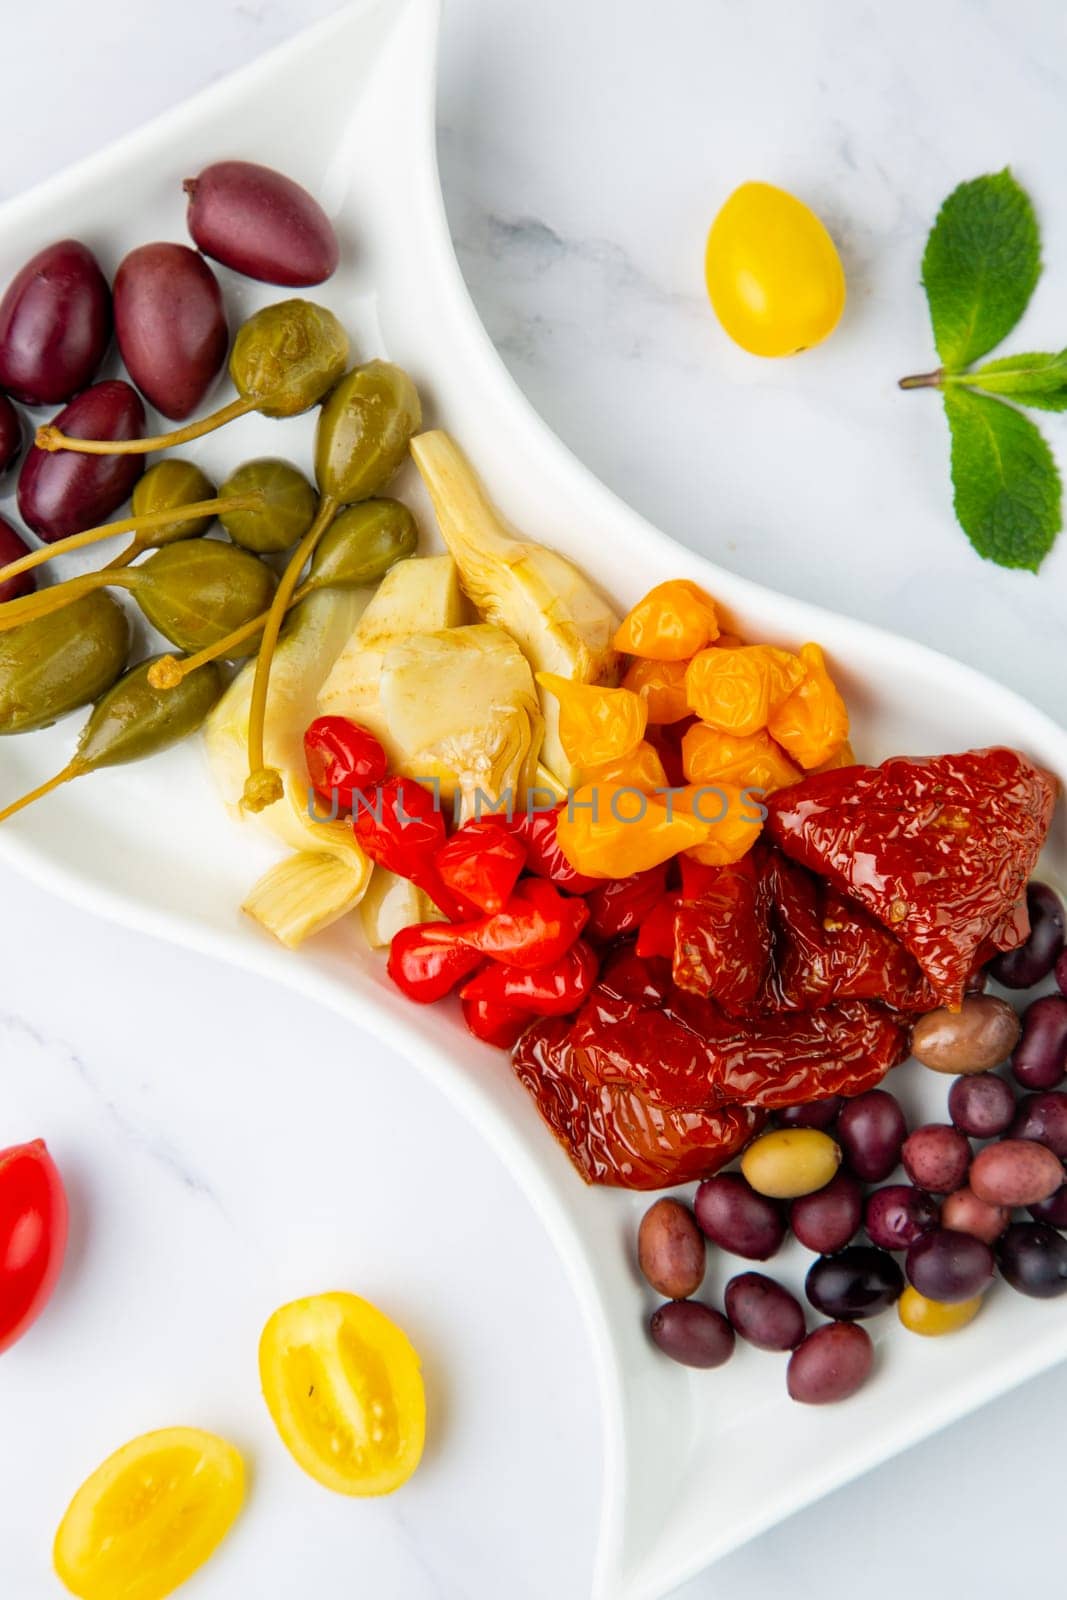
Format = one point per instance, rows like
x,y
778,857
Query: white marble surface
x,y
217,1160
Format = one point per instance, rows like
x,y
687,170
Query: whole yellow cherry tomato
x,y
149,1516
774,275
344,1387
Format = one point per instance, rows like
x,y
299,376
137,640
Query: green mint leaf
x,y
981,262
1007,488
1038,378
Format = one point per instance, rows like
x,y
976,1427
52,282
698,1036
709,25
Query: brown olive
x,y
1016,1172
979,1036
670,1249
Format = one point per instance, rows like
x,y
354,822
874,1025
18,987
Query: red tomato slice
x,y
33,1235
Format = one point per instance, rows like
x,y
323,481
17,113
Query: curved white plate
x,y
349,108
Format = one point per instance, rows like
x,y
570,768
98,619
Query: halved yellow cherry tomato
x,y
344,1386
149,1516
774,276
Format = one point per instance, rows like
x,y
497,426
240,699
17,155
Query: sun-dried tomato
x,y
611,1133
722,938
939,849
690,1054
827,948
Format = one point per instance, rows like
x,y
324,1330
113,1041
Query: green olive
x,y
364,429
362,544
286,514
56,663
197,592
287,356
172,483
133,720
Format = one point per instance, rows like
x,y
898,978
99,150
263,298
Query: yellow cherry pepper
x,y
641,769
661,684
934,1317
596,724
753,761
608,831
729,641
774,276
843,756
813,722
734,821
672,622
737,690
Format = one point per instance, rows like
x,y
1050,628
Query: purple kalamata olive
x,y
815,1114
261,223
1039,1060
1030,962
55,324
12,548
170,325
62,492
10,434
830,1364
898,1215
1043,1117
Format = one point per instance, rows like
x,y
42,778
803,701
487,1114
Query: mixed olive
x,y
934,1243
216,599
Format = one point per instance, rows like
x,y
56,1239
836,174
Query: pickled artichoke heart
x,y
419,595
549,607
392,903
459,708
304,894
306,653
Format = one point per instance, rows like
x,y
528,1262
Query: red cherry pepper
x,y
499,1025
401,827
427,960
697,877
549,992
537,830
343,758
655,937
481,864
536,927
618,906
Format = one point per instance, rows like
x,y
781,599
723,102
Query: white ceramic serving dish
x,y
349,108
